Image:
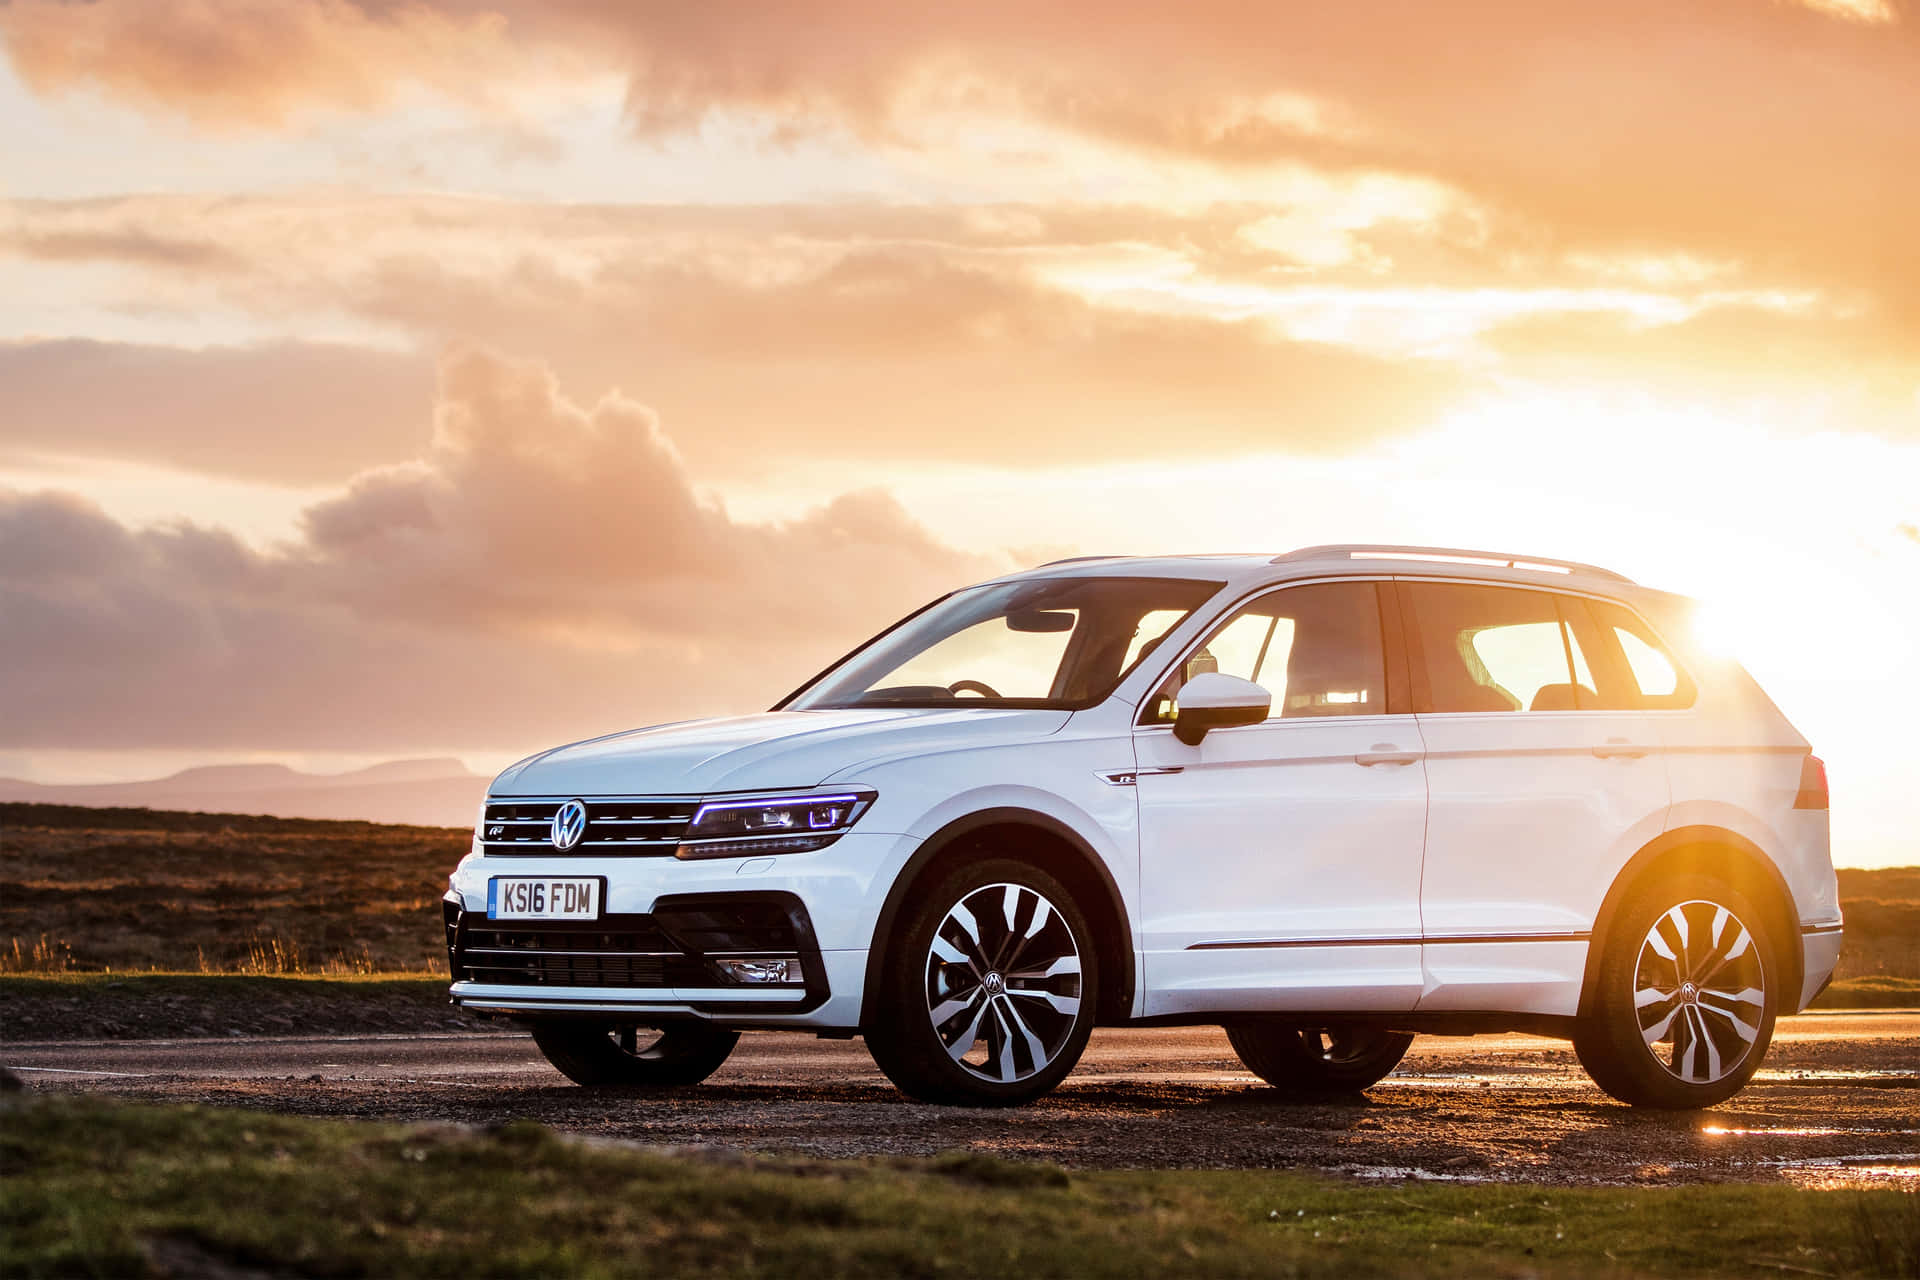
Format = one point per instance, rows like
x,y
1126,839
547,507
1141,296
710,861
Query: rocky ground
x,y
1837,1103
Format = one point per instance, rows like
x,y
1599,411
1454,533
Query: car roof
x,y
1250,569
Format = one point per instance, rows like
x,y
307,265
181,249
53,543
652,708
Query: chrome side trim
x,y
1404,940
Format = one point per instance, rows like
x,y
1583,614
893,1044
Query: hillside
x,y
137,889
434,792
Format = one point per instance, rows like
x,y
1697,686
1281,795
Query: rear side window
x,y
1497,649
1315,648
1649,676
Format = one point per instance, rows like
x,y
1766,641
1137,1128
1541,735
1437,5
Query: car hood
x,y
751,753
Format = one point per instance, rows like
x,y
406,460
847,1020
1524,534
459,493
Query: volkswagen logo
x,y
569,824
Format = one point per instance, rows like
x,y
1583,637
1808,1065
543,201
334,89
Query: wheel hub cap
x,y
1003,982
1699,992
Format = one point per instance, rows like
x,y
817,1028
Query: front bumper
x,y
674,955
649,1006
652,957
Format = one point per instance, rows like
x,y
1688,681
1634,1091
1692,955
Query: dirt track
x,y
1838,1102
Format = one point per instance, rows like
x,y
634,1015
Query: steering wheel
x,y
973,686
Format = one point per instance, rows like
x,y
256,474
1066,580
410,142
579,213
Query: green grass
x,y
102,1188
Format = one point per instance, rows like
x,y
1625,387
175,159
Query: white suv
x,y
1328,800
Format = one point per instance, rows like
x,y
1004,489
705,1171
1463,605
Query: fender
x,y
943,839
1743,851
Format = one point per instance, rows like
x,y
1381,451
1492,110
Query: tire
x,y
1684,999
600,1056
1314,1064
989,989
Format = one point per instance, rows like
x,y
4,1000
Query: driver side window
x,y
1315,648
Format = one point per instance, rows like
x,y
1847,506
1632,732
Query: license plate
x,y
544,898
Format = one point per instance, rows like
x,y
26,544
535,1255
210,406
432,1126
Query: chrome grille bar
x,y
638,826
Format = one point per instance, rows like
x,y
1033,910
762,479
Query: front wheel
x,y
987,997
1313,1063
1684,999
601,1056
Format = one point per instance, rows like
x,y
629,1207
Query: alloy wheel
x,y
1699,991
1003,982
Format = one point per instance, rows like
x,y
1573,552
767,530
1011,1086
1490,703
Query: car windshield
x,y
1052,642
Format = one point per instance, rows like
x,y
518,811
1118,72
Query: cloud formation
x,y
1615,124
258,62
863,332
290,413
543,570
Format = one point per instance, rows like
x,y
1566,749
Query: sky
x,y
385,378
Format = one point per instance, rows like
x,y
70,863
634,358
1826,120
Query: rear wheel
x,y
987,997
1315,1063
1684,1002
601,1056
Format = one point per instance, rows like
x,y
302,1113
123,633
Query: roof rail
x,y
1450,555
1076,560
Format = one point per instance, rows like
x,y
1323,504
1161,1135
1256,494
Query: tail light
x,y
1813,784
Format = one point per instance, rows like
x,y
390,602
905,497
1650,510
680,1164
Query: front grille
x,y
616,825
621,951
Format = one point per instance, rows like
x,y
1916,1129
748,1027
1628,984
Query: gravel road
x,y
1837,1104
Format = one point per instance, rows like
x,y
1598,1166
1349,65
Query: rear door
x,y
1543,779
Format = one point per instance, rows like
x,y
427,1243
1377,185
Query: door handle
x,y
1386,753
1619,749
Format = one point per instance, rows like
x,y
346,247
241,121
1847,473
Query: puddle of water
x,y
1407,1173
1885,1073
1837,1176
1722,1131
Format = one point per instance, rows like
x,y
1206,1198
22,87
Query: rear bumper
x,y
1819,953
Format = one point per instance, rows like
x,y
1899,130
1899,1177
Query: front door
x,y
1280,862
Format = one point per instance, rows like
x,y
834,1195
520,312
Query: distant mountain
x,y
433,793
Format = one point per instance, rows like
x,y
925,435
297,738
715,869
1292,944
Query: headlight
x,y
778,824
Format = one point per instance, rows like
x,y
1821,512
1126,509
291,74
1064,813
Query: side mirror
x,y
1215,701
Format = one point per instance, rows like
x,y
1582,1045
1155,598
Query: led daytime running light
x,y
771,824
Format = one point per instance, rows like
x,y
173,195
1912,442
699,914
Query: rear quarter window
x,y
1652,678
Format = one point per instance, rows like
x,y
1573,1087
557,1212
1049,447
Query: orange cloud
x,y
291,413
861,332
538,572
259,62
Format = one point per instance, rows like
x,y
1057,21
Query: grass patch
x,y
139,889
97,1187
1877,992
144,889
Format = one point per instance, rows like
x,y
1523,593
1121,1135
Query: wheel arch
x,y
1049,844
1714,851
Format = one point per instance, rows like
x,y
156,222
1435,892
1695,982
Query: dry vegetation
x,y
134,889
85,890
1883,923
